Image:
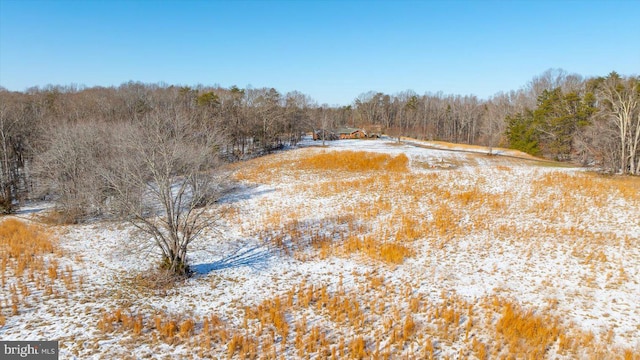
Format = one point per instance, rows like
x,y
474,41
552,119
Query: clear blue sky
x,y
330,50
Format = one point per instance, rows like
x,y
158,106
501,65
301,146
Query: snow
x,y
239,268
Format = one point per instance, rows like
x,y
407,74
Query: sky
x,y
332,51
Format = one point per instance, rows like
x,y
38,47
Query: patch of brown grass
x,y
525,331
22,245
384,216
29,261
349,324
354,161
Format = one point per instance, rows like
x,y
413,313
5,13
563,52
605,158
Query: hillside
x,y
361,249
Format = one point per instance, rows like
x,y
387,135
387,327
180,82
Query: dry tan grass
x,y
316,321
404,206
439,210
269,168
29,267
353,161
23,245
382,218
526,332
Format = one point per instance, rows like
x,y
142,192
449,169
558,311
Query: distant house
x,y
343,133
328,135
351,133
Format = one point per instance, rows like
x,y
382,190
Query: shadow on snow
x,y
255,258
242,192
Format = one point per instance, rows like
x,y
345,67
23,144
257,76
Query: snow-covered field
x,y
498,257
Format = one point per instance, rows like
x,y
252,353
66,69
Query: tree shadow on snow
x,y
238,193
256,258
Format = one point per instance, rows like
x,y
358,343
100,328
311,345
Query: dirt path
x,y
538,160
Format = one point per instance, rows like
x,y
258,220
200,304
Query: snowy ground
x,y
575,259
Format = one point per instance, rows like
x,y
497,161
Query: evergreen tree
x,y
522,133
550,129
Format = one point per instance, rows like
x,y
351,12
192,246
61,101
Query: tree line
x,y
57,141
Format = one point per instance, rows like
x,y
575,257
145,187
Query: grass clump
x,y
526,332
393,253
387,252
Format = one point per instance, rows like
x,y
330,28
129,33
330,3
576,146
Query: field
x,y
362,249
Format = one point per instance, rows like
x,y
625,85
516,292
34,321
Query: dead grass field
x,y
363,254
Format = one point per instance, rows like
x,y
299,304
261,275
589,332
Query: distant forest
x,y
54,140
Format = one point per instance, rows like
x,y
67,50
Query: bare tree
x,y
68,170
324,121
18,130
494,114
621,104
6,175
162,181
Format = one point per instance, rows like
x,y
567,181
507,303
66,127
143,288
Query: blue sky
x,y
330,50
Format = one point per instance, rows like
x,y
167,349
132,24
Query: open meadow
x,y
364,249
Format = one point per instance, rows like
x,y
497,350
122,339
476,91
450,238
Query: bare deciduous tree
x,y
162,181
621,104
17,130
69,168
